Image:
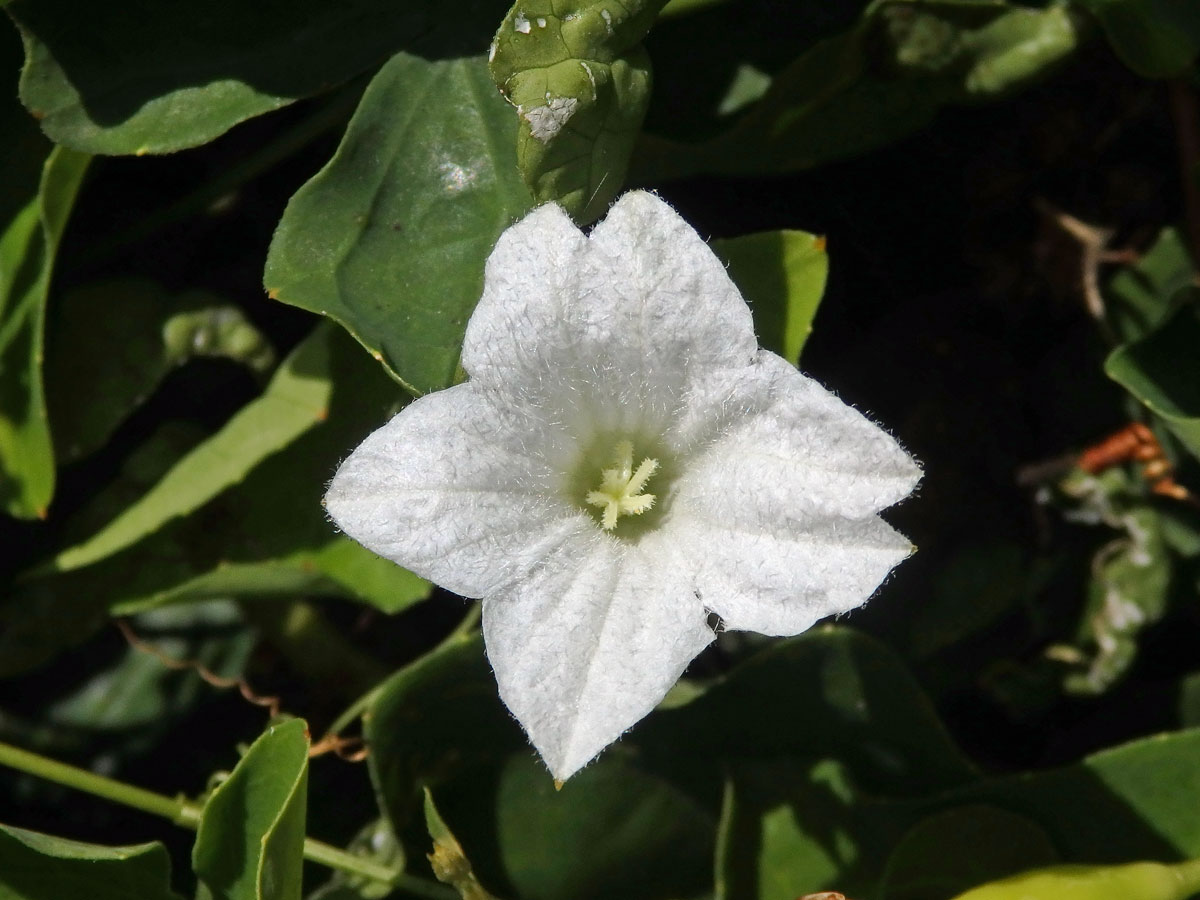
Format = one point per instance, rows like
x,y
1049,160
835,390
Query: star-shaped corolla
x,y
622,461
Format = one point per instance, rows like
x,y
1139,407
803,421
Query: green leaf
x,y
832,692
41,615
28,245
250,843
883,79
296,400
274,537
800,824
637,822
342,567
794,826
1162,370
1140,297
782,276
431,719
613,830
449,862
977,585
139,692
273,517
580,81
1136,801
390,238
36,866
150,77
949,852
124,357
1155,38
1143,880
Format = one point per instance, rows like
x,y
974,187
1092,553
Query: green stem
x,y
183,812
176,809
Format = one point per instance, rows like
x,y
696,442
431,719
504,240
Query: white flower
x,y
622,461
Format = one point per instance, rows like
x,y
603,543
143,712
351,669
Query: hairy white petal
x,y
781,582
664,303
523,323
591,642
788,450
607,332
459,490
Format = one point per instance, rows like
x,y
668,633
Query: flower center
x,y
620,492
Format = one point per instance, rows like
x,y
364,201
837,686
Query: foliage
x,y
235,238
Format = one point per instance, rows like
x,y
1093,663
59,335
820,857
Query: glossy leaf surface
x,y
782,276
250,844
580,82
36,866
389,239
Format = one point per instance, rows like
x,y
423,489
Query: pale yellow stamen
x,y
620,486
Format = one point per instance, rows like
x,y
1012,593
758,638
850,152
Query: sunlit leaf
x,y
782,276
390,238
37,866
250,843
341,567
266,536
296,399
794,826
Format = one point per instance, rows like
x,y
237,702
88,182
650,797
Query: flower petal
x,y
780,583
459,490
606,332
781,448
591,642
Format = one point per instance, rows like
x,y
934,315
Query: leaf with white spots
x,y
389,239
580,81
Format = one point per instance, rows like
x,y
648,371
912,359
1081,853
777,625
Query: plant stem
x,y
183,812
176,809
